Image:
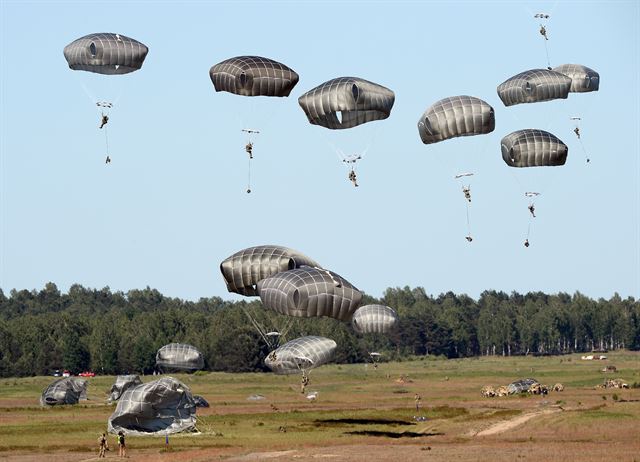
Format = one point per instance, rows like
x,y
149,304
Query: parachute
x,y
456,116
533,148
67,390
105,53
583,79
534,86
244,269
309,292
301,354
164,406
179,357
377,319
346,102
200,401
521,386
123,382
253,76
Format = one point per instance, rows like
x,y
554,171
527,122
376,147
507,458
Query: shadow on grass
x,y
391,434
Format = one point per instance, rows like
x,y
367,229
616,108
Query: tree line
x,y
115,332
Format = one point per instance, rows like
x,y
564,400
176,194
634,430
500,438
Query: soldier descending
x,y
577,132
249,149
467,192
104,120
352,178
532,209
543,32
304,382
107,160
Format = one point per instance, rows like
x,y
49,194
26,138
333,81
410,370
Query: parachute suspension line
x,y
106,140
249,176
546,49
468,222
259,328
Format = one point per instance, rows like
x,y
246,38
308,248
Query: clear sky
x,y
172,204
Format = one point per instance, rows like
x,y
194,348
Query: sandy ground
x,y
507,425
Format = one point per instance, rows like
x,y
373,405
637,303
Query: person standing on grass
x,y
122,448
104,446
417,399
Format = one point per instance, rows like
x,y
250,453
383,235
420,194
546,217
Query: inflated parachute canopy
x,y
534,86
456,116
310,292
521,386
347,102
121,384
243,270
105,53
376,319
533,148
253,76
583,79
179,357
68,390
162,407
303,353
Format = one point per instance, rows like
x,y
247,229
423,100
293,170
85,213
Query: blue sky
x,y
172,204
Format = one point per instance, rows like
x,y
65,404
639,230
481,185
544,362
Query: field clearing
x,y
361,414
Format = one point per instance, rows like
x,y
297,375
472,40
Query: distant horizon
x,y
238,298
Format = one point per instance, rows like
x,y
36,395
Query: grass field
x,y
360,414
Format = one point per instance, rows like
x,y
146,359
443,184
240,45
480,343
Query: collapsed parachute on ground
x,y
253,76
105,53
68,390
456,116
122,383
163,407
200,401
301,354
583,79
179,357
243,270
346,102
533,148
521,386
534,86
378,319
310,292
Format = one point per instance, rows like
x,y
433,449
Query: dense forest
x,y
115,332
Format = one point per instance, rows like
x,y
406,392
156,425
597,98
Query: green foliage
x,y
113,332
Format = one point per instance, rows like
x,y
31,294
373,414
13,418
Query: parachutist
x,y
352,178
304,382
588,160
577,132
418,399
543,32
467,192
249,149
469,238
107,160
248,191
532,209
104,120
526,242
